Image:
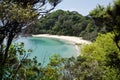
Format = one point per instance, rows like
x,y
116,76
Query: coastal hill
x,y
66,23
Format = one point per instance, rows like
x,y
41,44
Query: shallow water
x,y
43,48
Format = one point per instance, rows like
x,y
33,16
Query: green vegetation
x,y
95,63
15,15
110,17
98,61
66,23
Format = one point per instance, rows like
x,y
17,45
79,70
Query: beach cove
x,y
45,45
71,39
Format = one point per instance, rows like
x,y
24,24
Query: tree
x,y
66,23
110,17
105,52
15,15
94,62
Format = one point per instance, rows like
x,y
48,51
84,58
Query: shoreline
x,y
71,39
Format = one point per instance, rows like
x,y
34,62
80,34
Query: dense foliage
x,y
66,23
98,61
94,63
15,15
110,17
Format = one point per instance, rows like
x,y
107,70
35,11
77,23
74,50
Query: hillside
x,y
66,23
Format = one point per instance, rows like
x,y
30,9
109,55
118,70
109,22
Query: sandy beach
x,y
71,39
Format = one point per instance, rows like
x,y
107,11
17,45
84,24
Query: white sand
x,y
71,39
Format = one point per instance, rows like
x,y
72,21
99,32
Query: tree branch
x,y
25,57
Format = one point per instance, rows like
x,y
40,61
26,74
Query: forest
x,y
99,60
66,23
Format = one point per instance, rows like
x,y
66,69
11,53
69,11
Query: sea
x,y
43,48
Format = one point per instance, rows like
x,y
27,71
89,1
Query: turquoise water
x,y
43,48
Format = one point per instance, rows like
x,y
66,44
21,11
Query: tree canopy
x,y
15,15
110,17
98,61
66,23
